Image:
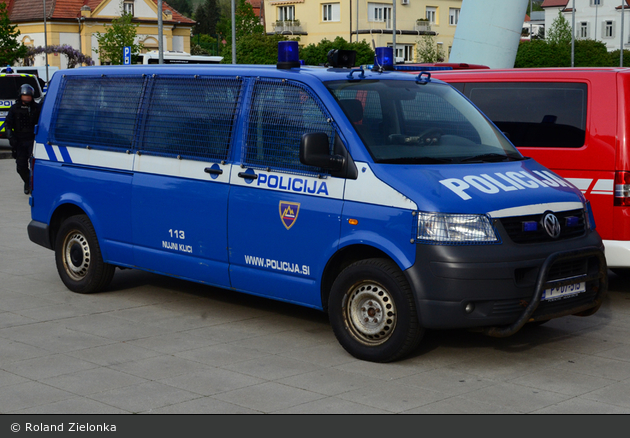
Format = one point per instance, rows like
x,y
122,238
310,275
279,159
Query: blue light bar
x,y
419,68
530,226
384,59
572,221
288,55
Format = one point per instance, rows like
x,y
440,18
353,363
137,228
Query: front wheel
x,y
78,256
372,311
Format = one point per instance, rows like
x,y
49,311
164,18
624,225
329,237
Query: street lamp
x,y
45,42
160,36
623,4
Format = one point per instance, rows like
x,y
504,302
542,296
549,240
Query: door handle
x,y
247,175
212,171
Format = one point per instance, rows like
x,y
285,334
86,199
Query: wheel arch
x,y
343,258
61,213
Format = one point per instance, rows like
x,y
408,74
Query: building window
x,y
609,29
380,12
330,12
431,14
404,51
286,13
453,16
128,7
584,29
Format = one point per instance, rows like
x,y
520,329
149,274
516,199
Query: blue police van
x,y
385,199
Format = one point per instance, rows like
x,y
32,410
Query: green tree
x,y
207,17
246,23
10,48
184,7
560,31
256,48
591,53
536,6
539,53
121,33
614,58
428,50
316,54
202,44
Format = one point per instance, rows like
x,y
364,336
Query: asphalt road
x,y
153,344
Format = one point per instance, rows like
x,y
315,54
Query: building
x,y
534,25
76,23
599,20
372,21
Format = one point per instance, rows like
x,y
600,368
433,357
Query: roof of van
x,y
321,73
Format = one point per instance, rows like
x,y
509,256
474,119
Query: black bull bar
x,y
541,284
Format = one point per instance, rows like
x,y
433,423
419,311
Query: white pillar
x,y
488,32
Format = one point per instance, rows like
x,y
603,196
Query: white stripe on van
x,y
275,180
175,167
368,189
601,186
581,183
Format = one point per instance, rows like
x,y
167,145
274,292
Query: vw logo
x,y
551,224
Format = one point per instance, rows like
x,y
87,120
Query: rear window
x,y
534,114
10,86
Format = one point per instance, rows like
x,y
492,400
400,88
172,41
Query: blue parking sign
x,y
127,55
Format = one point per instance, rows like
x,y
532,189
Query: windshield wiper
x,y
415,160
490,158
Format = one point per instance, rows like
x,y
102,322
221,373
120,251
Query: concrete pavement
x,y
153,344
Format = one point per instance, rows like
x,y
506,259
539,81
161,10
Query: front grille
x,y
515,227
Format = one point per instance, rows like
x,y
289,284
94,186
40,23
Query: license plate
x,y
563,291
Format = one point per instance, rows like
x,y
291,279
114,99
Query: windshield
x,y
406,122
10,86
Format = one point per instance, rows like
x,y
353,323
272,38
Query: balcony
x,y
289,26
423,26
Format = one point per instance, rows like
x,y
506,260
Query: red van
x,y
575,121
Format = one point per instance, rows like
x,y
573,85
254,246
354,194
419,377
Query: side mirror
x,y
315,151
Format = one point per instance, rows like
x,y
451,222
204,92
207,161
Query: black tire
x,y
78,256
621,272
376,289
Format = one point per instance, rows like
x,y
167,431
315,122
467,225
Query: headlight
x,y
455,228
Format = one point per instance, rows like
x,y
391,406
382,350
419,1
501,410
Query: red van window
x,y
534,114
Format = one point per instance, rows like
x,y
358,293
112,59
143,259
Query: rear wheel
x,y
372,311
78,256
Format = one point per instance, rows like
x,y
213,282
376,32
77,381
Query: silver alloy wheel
x,y
76,255
370,313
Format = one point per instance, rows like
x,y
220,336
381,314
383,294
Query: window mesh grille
x,y
191,116
98,111
281,112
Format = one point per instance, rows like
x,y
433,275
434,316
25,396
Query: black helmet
x,y
27,90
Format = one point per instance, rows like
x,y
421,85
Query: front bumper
x,y
504,283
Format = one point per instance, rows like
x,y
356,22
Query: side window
x,y
535,114
97,111
363,109
281,112
192,117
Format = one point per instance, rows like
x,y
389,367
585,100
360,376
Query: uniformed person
x,y
20,127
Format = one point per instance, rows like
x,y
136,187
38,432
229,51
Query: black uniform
x,y
19,125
